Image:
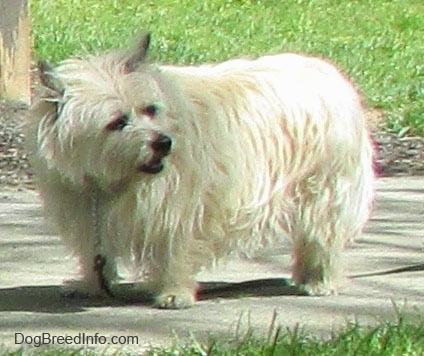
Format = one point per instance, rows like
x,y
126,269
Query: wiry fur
x,y
262,149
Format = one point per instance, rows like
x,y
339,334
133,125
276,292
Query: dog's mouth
x,y
161,147
154,166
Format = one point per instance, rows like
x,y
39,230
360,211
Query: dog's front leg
x,y
97,263
97,268
173,282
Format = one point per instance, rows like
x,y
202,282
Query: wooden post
x,y
15,53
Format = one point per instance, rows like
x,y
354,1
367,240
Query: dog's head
x,y
109,118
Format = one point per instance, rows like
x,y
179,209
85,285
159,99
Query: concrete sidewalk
x,y
34,265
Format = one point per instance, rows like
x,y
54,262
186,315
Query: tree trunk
x,y
15,50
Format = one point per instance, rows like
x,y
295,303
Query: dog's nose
x,y
162,144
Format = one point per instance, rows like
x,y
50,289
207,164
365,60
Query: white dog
x,y
172,168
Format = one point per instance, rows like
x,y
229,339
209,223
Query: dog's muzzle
x,y
161,147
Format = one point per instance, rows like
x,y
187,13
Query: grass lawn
x,y
379,43
384,340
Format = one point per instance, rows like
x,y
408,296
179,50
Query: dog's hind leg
x,y
326,219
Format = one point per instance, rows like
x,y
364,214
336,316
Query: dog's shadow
x,y
50,299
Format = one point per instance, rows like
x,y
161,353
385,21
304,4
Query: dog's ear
x,y
49,79
138,55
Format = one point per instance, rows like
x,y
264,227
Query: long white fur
x,y
262,150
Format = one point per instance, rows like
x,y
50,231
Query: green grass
x,y
389,339
385,340
378,43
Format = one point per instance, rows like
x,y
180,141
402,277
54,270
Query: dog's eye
x,y
118,124
151,110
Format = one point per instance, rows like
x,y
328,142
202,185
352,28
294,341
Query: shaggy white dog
x,y
172,168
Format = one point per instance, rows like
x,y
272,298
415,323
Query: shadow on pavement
x,y
51,299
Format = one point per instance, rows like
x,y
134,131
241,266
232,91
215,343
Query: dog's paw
x,y
318,289
315,280
181,299
82,290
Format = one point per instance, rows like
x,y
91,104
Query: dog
x,y
172,168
